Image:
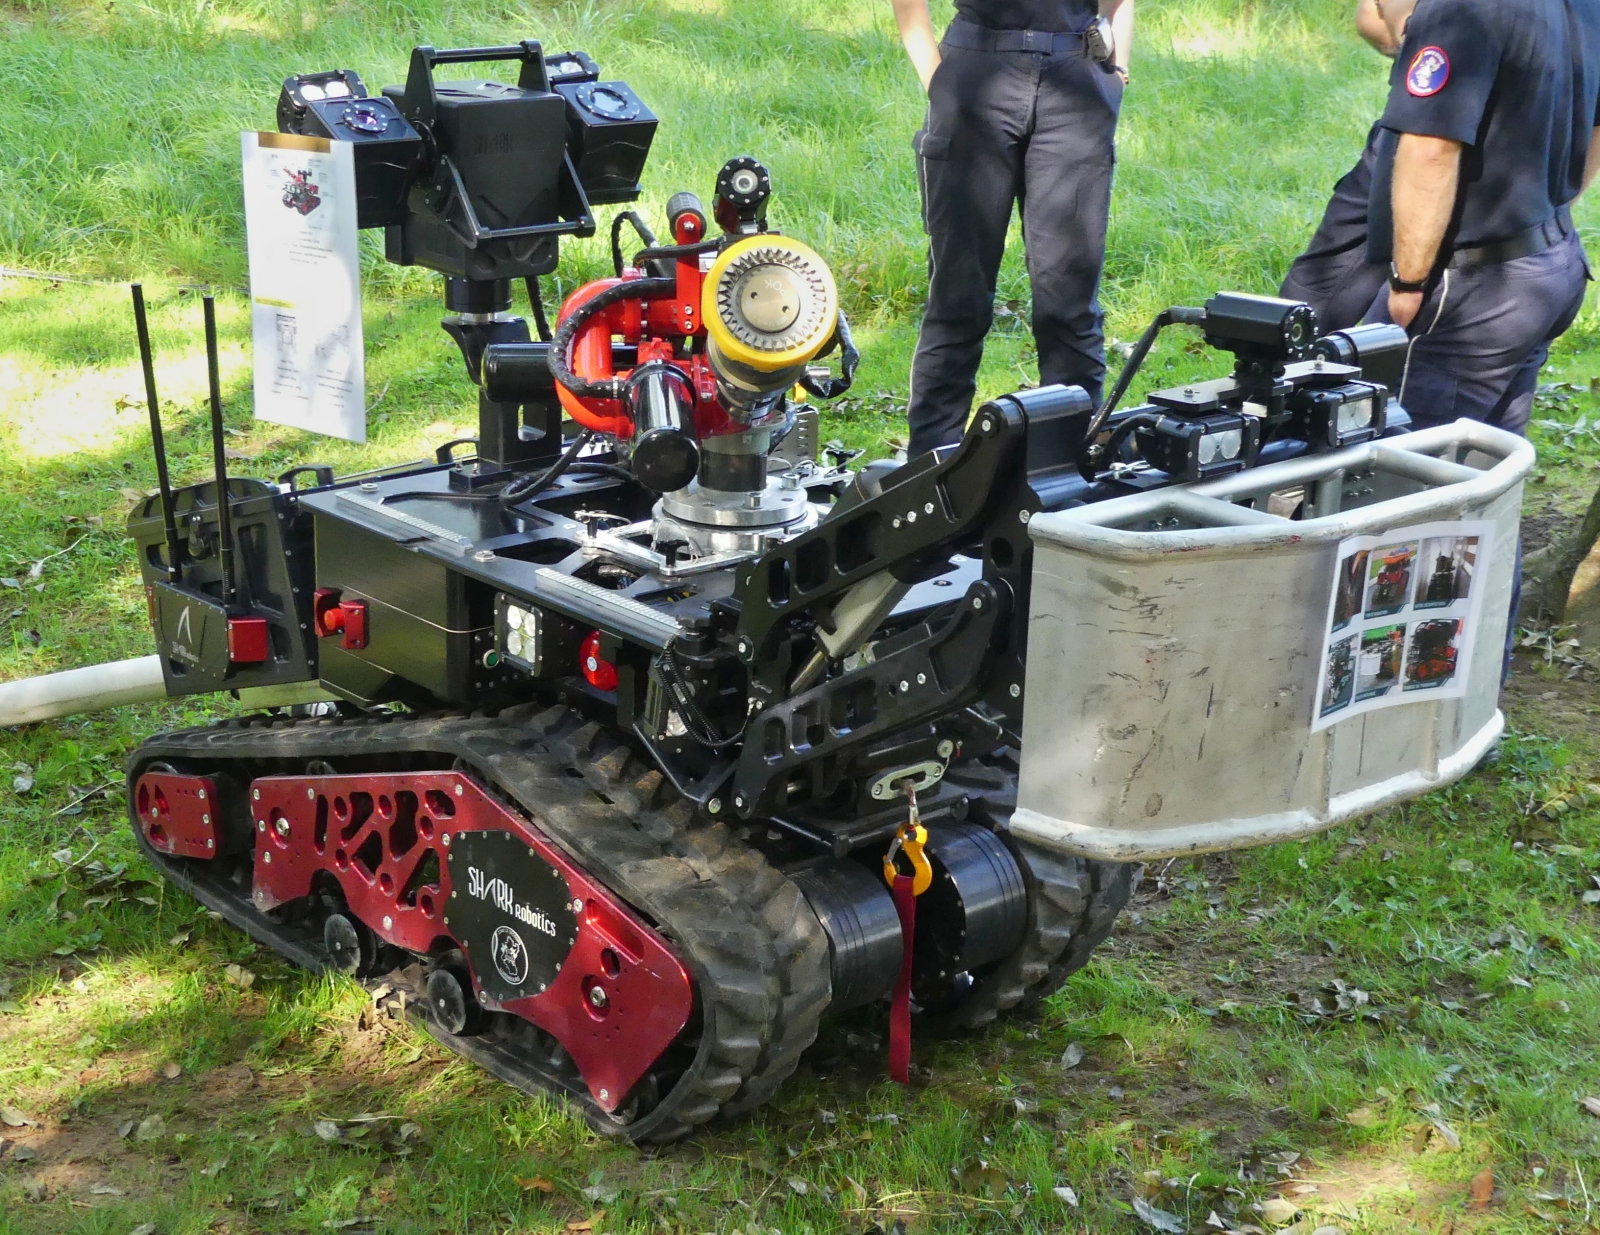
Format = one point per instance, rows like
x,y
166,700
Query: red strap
x,y
905,904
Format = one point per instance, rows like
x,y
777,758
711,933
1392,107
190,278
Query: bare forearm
x,y
1424,197
1120,13
917,37
1592,163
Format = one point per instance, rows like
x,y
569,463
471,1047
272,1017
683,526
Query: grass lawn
x,y
1386,1028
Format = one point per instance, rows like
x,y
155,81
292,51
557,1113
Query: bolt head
x,y
1016,691
738,800
904,685
605,1095
459,790
946,749
597,997
446,841
266,859
977,602
927,508
922,679
282,827
256,794
311,793
714,807
911,516
202,795
205,818
1023,516
261,825
897,521
369,486
211,844
388,922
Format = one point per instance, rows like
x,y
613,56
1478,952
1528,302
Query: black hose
x,y
671,252
607,388
536,301
849,358
529,486
1092,458
639,226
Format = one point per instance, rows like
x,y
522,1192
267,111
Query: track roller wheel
x,y
350,945
451,1002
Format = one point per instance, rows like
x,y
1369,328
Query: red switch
x,y
247,640
325,615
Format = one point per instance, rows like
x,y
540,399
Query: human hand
x,y
1404,307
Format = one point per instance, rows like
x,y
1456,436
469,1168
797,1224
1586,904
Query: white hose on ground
x,y
81,690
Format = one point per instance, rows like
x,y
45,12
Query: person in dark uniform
x,y
1023,98
1333,275
1488,136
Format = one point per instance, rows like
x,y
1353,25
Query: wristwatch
x,y
1397,284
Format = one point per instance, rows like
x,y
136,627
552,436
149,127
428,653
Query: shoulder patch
x,y
1429,71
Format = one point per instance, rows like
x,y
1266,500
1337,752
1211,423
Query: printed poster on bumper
x,y
305,283
1402,618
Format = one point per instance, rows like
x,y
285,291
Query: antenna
x,y
219,455
163,480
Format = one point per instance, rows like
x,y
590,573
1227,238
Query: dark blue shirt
x,y
1055,15
1516,82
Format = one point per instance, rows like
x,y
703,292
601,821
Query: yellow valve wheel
x,y
769,302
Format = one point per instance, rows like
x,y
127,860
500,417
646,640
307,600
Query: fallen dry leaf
x,y
238,975
144,1228
1592,1105
150,1128
1482,1188
1065,1195
326,1130
13,1118
1158,1218
1278,1211
1364,1117
171,1070
536,1185
1072,1056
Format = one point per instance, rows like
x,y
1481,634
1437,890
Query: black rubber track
x,y
804,965
711,896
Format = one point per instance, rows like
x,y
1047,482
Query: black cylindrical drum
x,y
858,914
665,453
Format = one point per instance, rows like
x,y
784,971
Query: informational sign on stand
x,y
305,283
1402,618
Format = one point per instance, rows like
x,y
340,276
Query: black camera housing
x,y
479,179
1260,328
388,151
1316,412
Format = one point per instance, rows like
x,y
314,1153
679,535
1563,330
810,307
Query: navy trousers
x,y
1483,334
1333,275
1026,128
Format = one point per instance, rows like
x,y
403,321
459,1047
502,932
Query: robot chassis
x,y
629,715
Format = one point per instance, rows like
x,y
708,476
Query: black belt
x,y
1524,244
969,36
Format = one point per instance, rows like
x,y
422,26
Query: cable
x,y
528,486
849,358
536,301
1091,456
608,388
674,251
695,722
639,226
